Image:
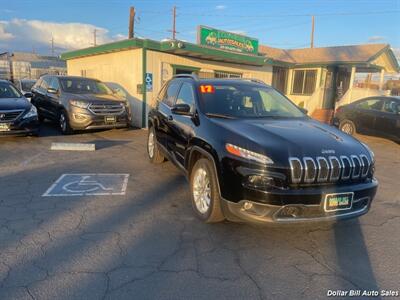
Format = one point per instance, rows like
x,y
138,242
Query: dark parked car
x,y
79,103
378,116
251,154
25,85
17,115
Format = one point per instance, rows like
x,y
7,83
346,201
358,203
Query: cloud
x,y
376,39
3,34
220,7
23,35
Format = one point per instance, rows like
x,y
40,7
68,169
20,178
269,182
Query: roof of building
x,y
336,54
276,53
45,64
357,54
171,46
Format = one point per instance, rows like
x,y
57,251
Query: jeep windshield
x,y
84,86
245,101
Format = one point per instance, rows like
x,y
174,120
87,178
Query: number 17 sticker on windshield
x,y
207,89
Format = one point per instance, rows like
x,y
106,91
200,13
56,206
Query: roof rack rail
x,y
193,76
252,80
257,81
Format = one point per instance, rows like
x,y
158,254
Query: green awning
x,y
174,47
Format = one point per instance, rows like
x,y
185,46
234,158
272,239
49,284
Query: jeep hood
x,y
282,138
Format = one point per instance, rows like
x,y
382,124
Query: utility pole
x,y
52,46
174,23
94,37
312,32
131,32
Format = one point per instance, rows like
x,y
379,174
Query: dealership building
x,y
317,79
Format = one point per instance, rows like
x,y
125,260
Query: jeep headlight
x,y
247,154
80,104
31,113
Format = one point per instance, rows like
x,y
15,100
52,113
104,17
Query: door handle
x,y
170,118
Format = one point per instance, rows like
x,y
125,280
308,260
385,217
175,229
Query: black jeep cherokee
x,y
251,154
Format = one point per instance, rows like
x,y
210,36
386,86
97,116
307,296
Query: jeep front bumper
x,y
298,210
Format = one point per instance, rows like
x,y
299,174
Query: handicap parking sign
x,y
88,185
149,82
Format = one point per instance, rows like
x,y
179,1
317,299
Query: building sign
x,y
149,82
226,40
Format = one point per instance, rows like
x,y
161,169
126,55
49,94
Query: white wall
x,y
122,69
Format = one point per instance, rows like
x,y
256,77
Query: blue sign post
x,y
149,82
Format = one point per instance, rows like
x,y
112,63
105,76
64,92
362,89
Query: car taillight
x,y
338,110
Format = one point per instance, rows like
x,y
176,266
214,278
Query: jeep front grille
x,y
328,169
106,109
10,115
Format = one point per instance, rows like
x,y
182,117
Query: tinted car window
x,y
84,86
27,85
186,95
38,83
391,106
45,83
244,100
161,94
54,84
371,104
169,96
7,90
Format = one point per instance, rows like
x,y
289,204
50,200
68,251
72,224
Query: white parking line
x,y
73,147
29,160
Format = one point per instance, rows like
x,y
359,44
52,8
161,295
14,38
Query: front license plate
x,y
4,127
110,119
339,201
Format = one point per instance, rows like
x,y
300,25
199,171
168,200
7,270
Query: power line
x,y
52,46
131,23
188,14
312,32
174,23
94,37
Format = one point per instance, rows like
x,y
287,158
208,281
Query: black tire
x,y
155,154
214,213
348,127
63,123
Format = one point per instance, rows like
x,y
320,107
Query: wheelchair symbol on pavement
x,y
85,185
88,185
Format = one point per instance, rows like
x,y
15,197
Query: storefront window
x,y
223,74
279,78
304,82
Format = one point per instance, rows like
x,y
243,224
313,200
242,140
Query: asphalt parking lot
x,y
135,236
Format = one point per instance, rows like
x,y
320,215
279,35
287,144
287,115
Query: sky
x,y
30,25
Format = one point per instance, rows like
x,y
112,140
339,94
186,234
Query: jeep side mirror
x,y
181,109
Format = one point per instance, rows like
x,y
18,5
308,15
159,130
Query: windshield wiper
x,y
214,115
